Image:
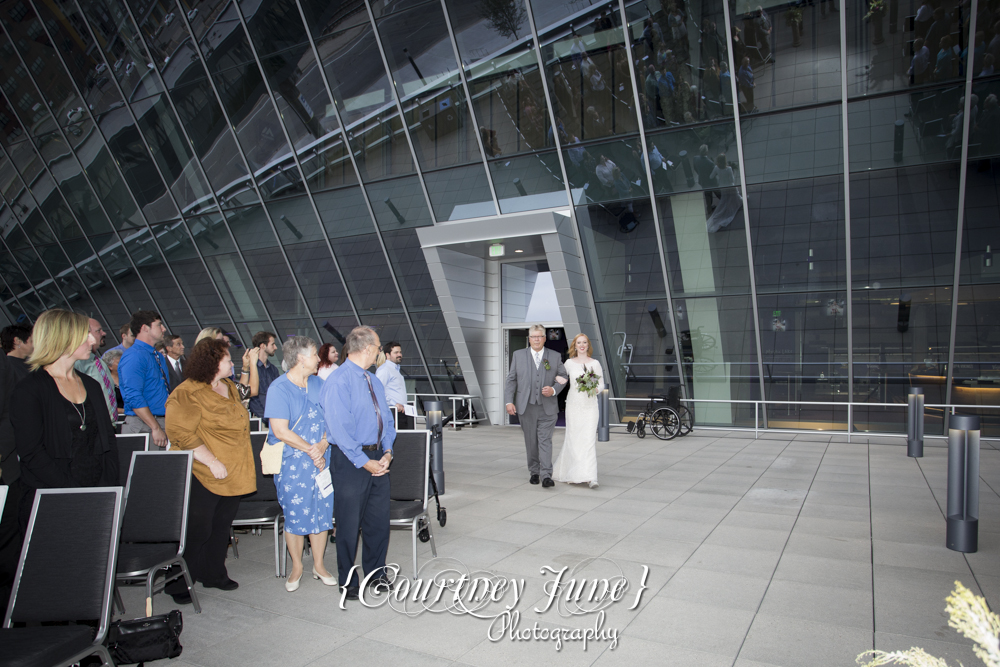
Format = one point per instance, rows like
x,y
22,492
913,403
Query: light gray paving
x,y
780,551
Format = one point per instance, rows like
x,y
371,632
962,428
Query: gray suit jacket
x,y
522,367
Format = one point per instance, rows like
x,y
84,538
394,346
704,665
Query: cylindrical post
x,y
434,425
897,143
915,422
963,483
603,415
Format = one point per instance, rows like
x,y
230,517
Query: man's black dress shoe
x,y
380,584
227,585
352,592
534,479
547,482
182,598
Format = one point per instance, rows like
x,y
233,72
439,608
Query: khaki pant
x,y
135,425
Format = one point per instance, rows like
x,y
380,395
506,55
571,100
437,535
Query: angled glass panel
x,y
588,75
798,144
483,29
274,26
344,212
797,230
367,274
313,265
920,127
113,258
981,232
460,193
236,286
976,380
528,182
804,351
678,161
11,130
432,334
903,224
327,164
274,280
410,267
251,228
354,70
54,209
125,57
380,146
623,259
86,67
901,339
720,356
611,172
29,165
398,203
324,17
549,12
203,14
785,56
112,189
395,328
295,220
141,177
883,51
36,227
210,234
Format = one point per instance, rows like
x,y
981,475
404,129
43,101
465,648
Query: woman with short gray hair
x,y
297,419
110,360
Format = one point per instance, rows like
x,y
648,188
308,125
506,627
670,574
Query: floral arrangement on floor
x,y
587,382
971,616
876,9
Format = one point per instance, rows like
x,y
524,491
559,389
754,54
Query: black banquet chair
x,y
154,526
408,486
81,523
128,443
261,509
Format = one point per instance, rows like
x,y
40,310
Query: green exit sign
x,y
776,313
496,250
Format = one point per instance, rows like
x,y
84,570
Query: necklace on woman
x,y
83,417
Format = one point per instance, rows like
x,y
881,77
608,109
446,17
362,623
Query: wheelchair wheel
x,y
424,535
442,516
666,423
640,428
687,420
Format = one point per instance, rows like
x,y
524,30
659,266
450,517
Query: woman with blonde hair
x,y
577,461
62,429
214,333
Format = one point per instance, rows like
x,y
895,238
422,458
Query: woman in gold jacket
x,y
204,415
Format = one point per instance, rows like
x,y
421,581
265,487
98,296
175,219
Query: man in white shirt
x,y
173,348
395,386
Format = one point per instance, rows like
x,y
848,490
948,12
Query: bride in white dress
x,y
577,461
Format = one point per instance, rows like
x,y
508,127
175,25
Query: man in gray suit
x,y
536,376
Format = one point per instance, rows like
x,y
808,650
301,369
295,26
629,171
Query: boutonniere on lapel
x,y
547,367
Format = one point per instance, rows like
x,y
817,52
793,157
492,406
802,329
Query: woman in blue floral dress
x,y
297,419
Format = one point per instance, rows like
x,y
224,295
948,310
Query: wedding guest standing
x,y
297,419
328,357
62,429
205,416
577,461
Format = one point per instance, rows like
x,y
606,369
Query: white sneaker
x,y
594,485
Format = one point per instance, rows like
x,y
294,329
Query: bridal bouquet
x,y
588,382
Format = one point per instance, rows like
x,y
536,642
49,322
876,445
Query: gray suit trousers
x,y
537,428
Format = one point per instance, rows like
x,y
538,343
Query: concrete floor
x,y
785,550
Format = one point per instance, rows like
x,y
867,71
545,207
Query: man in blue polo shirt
x,y
144,378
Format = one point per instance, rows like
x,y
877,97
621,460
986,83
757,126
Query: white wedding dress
x,y
577,461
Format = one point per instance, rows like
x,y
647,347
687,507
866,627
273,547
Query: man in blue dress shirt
x,y
144,378
360,425
394,383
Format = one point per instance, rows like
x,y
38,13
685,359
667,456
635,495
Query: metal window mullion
x,y
468,99
368,205
138,208
565,177
962,181
152,158
28,280
194,153
678,353
399,110
746,204
848,258
59,188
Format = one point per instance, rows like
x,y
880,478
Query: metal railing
x,y
848,429
456,422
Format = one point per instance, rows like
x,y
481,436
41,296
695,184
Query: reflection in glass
x,y
236,286
901,340
797,230
344,213
976,376
398,203
275,282
367,274
528,182
294,219
407,262
180,254
607,172
251,228
981,230
903,224
804,352
460,193
798,144
621,251
313,266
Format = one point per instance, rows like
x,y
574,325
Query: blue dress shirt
x,y
144,379
395,386
350,415
266,374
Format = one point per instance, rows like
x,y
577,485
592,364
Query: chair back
x,y
266,491
410,471
156,497
255,424
67,566
128,443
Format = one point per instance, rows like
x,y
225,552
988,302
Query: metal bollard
x,y
963,483
435,419
915,422
603,415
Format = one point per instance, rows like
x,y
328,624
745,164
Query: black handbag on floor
x,y
141,639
